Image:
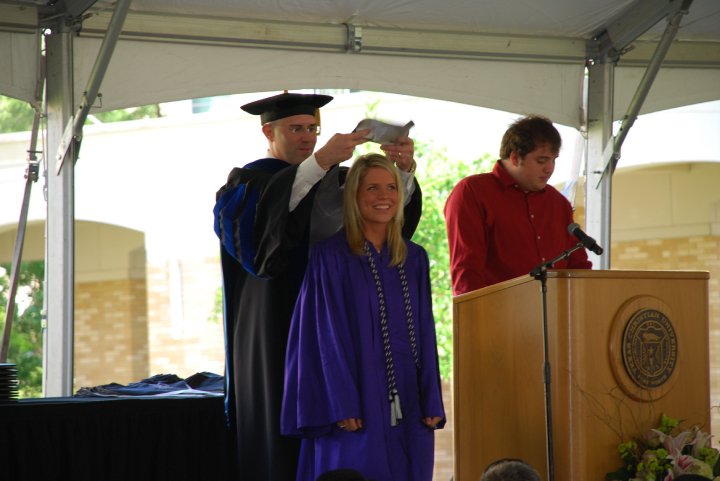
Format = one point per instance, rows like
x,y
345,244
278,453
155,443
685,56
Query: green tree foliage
x,y
216,316
437,175
135,113
17,116
26,339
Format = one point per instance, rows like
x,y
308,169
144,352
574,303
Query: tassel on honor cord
x,y
395,410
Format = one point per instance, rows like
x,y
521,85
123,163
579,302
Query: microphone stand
x,y
540,273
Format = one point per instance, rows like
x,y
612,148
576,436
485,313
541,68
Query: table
x,y
108,439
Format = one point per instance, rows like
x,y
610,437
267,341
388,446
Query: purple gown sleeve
x,y
320,386
430,384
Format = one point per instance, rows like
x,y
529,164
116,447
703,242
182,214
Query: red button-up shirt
x,y
496,231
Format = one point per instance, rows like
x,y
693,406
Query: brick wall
x,y
183,337
111,343
444,440
128,330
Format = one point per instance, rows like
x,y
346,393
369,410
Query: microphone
x,y
585,239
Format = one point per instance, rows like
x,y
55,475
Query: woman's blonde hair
x,y
353,219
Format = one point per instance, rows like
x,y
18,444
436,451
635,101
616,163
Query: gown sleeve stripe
x,y
236,208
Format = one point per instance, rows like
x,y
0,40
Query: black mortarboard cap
x,y
286,105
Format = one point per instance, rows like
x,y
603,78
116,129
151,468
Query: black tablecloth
x,y
128,439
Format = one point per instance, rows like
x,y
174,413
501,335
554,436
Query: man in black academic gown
x,y
268,215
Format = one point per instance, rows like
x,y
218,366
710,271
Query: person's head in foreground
x,y
510,469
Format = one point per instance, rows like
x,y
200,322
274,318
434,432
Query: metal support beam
x,y
73,133
60,235
64,137
598,194
611,156
338,38
31,176
617,36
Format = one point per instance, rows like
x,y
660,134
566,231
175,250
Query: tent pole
x,y
60,232
60,239
603,149
599,131
31,175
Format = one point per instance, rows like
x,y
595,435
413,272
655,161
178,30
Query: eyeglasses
x,y
310,129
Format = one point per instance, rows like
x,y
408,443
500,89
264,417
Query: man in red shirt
x,y
504,223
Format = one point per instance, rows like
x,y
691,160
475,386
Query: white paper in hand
x,y
382,132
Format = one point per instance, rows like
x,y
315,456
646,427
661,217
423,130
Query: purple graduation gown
x,y
335,367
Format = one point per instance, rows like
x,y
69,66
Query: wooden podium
x,y
623,348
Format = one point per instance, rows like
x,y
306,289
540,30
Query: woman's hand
x,y
350,424
432,422
401,152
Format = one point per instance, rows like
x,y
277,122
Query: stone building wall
x,y
131,329
111,343
184,335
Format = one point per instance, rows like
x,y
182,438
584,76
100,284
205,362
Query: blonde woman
x,y
362,386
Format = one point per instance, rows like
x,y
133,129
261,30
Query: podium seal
x,y
643,349
649,348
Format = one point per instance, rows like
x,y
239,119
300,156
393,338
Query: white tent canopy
x,y
512,55
583,63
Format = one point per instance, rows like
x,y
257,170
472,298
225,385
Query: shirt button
x,y
542,259
538,237
532,216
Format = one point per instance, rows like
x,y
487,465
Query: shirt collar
x,y
502,174
507,180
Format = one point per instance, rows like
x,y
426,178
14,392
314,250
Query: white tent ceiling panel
x,y
528,17
147,72
18,64
672,88
511,55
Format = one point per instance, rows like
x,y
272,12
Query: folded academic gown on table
x,y
200,384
